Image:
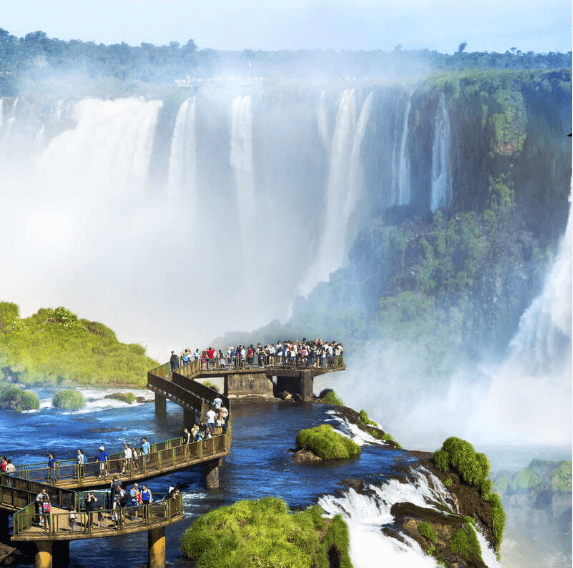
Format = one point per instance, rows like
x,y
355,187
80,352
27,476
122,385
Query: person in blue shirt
x,y
52,465
102,459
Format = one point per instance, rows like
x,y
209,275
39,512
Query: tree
x,y
462,46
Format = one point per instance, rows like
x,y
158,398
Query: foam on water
x,y
352,431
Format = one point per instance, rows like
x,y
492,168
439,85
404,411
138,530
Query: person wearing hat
x,y
102,459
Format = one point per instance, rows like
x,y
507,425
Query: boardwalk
x,y
18,493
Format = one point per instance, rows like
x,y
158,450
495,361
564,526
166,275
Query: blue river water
x,y
259,464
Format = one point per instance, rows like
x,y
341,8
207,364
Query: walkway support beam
x,y
160,406
156,546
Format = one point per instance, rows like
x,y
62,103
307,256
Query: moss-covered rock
x,y
265,533
127,397
16,398
327,443
68,400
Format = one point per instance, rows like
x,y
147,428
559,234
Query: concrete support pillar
x,y
156,546
160,406
306,386
61,553
211,469
43,558
226,385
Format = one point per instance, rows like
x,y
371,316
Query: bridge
x,y
66,484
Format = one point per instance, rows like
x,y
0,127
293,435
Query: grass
x,y
127,397
427,530
327,443
68,400
458,455
54,345
264,533
18,398
330,397
464,541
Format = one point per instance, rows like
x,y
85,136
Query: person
x,y
135,496
211,415
146,499
225,414
135,459
186,436
218,402
145,450
46,509
90,503
219,421
115,489
194,431
102,459
39,500
51,468
174,360
128,456
81,460
203,429
10,472
73,520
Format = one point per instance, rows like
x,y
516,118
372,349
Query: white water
x,y
344,189
182,183
441,178
401,161
366,515
242,163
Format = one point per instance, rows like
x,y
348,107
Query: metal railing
x,y
96,522
236,364
165,455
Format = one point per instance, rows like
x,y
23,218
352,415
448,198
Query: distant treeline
x,y
35,58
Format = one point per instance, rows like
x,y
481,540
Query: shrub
x,y
427,530
265,533
127,397
211,385
498,517
364,417
29,400
68,400
465,543
331,398
327,443
19,399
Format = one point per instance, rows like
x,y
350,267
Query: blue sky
x,y
302,24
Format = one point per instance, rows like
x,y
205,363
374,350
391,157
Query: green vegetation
x,y
264,533
561,478
327,443
464,541
364,417
18,399
474,468
54,345
211,385
68,400
427,530
127,397
331,398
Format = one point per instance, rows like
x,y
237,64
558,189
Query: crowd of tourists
x,y
299,353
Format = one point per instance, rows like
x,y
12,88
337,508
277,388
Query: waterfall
x,y
242,163
441,179
530,395
1,113
323,121
343,189
183,158
367,513
401,161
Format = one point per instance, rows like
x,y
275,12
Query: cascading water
x,y
441,178
344,187
401,161
530,395
242,163
182,182
322,120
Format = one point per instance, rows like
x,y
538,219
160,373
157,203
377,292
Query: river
x,y
259,464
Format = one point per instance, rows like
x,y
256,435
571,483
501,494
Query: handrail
x,y
99,521
167,455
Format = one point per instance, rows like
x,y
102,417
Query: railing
x,y
236,363
163,456
16,492
97,522
175,392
